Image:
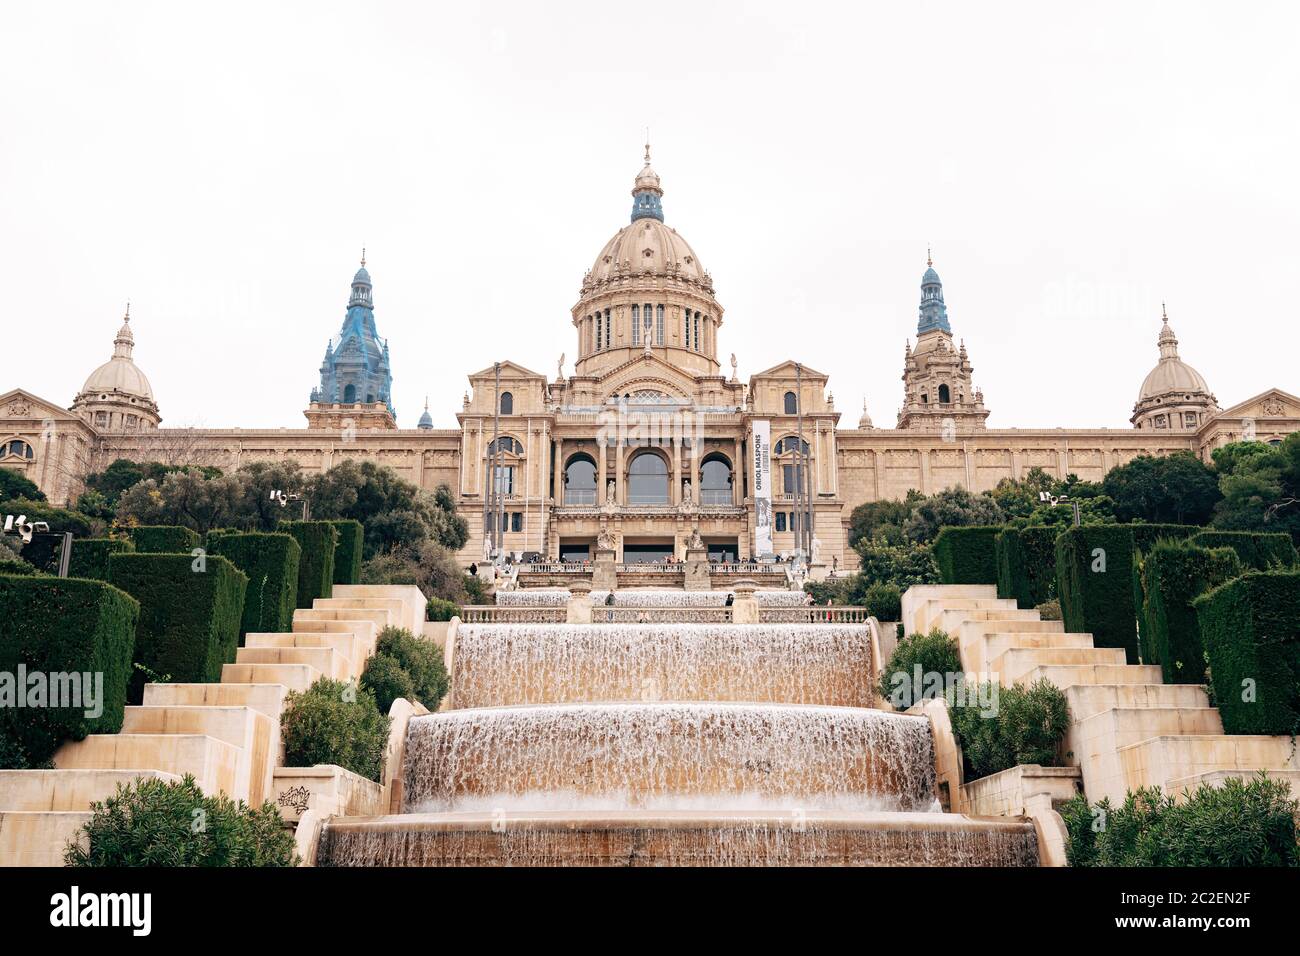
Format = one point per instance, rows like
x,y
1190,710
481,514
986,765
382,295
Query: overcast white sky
x,y
221,165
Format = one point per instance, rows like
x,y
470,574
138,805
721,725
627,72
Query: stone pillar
x,y
559,471
620,493
580,602
604,575
602,468
744,609
697,569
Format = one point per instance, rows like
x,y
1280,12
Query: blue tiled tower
x,y
356,365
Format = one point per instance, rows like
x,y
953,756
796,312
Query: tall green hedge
x,y
62,626
318,540
163,539
1263,552
347,556
190,610
967,555
1094,580
1174,574
1250,627
271,563
90,556
1027,564
1146,535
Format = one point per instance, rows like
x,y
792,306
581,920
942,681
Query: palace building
x,y
652,439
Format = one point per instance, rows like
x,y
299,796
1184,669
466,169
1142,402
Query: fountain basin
x,y
627,755
509,664
686,838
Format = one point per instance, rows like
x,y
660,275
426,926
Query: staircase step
x,y
1095,742
214,763
65,790
1161,760
1071,675
376,617
1015,663
324,659
1088,699
976,655
1215,778
349,646
297,677
38,838
416,604
264,698
242,727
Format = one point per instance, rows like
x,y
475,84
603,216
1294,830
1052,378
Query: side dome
x,y
117,395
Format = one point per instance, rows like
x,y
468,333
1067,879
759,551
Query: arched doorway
x,y
580,481
647,480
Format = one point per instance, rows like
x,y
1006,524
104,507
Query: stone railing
x,y
497,614
834,614
660,615
555,567
649,567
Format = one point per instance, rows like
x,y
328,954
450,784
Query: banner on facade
x,y
762,471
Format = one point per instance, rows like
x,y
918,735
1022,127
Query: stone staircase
x,y
1128,729
227,735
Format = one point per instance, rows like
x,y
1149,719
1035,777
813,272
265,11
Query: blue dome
x,y
426,420
361,276
930,276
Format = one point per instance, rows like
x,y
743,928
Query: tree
x,y
14,485
952,507
882,519
1172,489
900,565
1260,484
187,499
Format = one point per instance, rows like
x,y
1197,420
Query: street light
x,y
1049,498
283,498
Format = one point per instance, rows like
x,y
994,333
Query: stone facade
x,y
650,440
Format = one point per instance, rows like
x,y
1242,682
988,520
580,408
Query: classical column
x,y
675,473
602,469
737,463
559,471
620,492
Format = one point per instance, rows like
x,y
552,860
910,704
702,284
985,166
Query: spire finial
x,y
647,145
1164,313
929,259
363,257
127,317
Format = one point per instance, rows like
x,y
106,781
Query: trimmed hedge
x,y
1173,575
1263,552
967,555
271,563
62,626
189,618
163,539
19,567
1094,580
347,555
1146,535
318,540
1251,631
1027,564
90,556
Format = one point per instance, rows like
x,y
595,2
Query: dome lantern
x,y
647,194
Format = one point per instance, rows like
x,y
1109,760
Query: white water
x,y
534,597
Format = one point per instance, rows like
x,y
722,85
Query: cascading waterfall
x,y
668,744
534,597
781,598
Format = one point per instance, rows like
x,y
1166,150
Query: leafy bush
x,y
1026,559
933,653
19,567
1049,610
951,508
1242,823
1173,575
90,556
189,618
419,659
475,588
1145,536
271,563
14,485
967,555
1027,726
318,540
439,610
347,555
63,626
1262,552
163,539
1250,628
335,723
900,565
1094,580
152,822
884,602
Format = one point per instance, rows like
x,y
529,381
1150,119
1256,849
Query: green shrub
x,y
1026,726
1262,552
967,555
1250,628
347,555
1026,559
318,540
90,556
884,602
63,626
18,566
1146,535
439,610
476,589
1242,823
419,659
934,654
903,565
335,723
190,609
1094,581
1049,610
270,561
1174,573
163,539
151,822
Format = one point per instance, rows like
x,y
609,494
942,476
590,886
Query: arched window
x,y
580,481
945,396
636,325
17,449
659,325
349,394
791,404
715,481
647,480
507,403
507,445
788,444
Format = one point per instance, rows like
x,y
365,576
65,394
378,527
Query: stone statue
x,y
686,491
605,540
611,490
559,368
733,366
696,543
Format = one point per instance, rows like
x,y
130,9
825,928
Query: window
x,y
598,331
687,325
648,480
715,481
791,403
698,348
780,521
580,481
788,444
659,325
507,403
18,449
516,521
636,325
349,394
507,445
944,395
505,480
788,474
607,332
